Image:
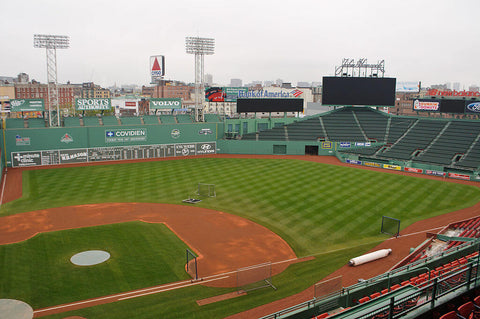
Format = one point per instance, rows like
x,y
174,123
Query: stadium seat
x,y
323,315
465,310
364,299
450,315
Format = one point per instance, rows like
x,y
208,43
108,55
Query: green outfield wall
x,y
47,146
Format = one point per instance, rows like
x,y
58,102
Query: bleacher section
x,y
275,134
472,157
307,130
373,123
398,127
150,119
418,137
211,118
71,122
341,126
91,121
131,120
184,118
167,119
110,120
15,123
36,123
456,139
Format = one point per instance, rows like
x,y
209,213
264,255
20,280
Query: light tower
x,y
199,47
51,43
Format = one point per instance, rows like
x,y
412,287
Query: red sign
x,y
130,103
414,170
459,176
435,92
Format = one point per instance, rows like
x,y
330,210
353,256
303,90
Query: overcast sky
x,y
302,40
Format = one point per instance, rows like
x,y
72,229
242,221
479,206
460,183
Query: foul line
x,y
135,294
3,187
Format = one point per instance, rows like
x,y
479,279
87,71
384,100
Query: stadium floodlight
x,y
51,43
199,47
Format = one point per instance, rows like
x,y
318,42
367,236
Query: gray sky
x,y
303,40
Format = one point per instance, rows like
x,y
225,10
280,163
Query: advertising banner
x,y
326,145
345,144
157,67
435,173
426,105
372,164
413,170
184,149
173,103
459,176
92,104
353,162
27,105
472,107
26,159
73,156
125,135
394,167
205,148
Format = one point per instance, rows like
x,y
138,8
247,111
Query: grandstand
x,y
36,123
441,142
91,121
71,122
110,120
130,120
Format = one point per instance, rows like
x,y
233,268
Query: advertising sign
x,y
435,92
27,105
350,161
426,105
174,103
435,173
26,159
205,148
184,149
394,167
125,135
326,145
372,164
472,107
157,67
459,176
73,156
345,144
92,104
413,170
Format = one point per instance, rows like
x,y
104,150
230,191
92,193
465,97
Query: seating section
x,y
307,130
110,120
184,118
418,137
91,121
341,126
275,134
167,119
151,119
15,123
131,120
71,122
456,139
211,118
36,123
373,123
472,158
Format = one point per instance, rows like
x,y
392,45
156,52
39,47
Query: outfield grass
x,y
314,207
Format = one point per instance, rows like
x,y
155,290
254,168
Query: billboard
x,y
231,94
269,105
426,105
358,91
408,87
452,106
472,107
164,103
27,105
92,104
157,67
215,94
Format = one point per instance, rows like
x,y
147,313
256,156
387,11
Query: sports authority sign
x,y
157,67
92,104
174,103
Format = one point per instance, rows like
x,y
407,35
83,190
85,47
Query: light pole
x,y
199,47
51,43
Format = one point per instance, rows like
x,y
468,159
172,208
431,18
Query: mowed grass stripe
x,y
308,204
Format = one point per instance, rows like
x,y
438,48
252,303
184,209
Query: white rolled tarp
x,y
369,257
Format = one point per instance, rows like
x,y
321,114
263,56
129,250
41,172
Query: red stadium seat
x,y
364,299
450,315
375,295
465,310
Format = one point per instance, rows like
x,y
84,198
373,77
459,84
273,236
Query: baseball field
x,y
329,212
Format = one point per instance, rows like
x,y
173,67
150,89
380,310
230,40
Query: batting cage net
x,y
254,277
192,266
206,190
328,287
390,226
